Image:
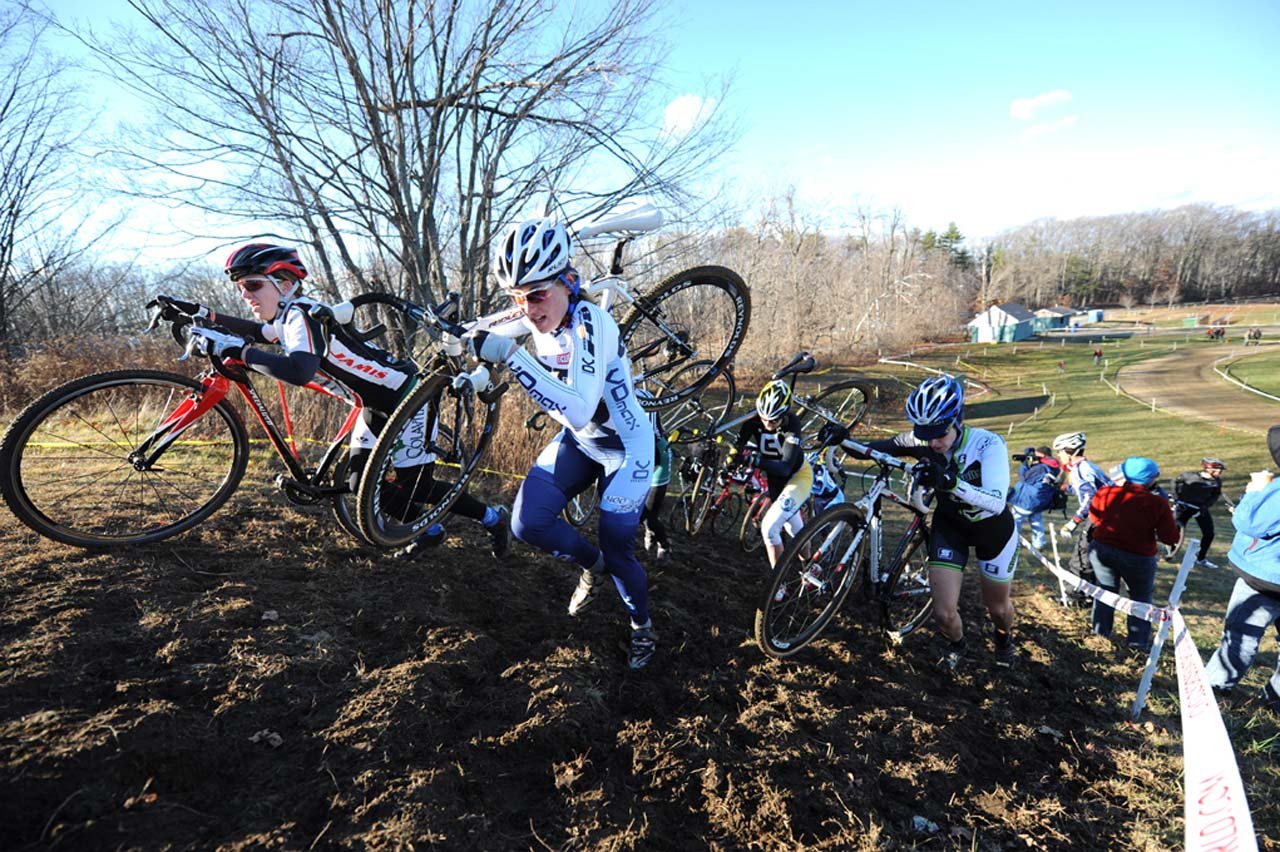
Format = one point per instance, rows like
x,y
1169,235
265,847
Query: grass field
x,y
1259,369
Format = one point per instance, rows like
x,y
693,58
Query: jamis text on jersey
x,y
358,366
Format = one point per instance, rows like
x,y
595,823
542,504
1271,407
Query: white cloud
x,y
1024,109
1045,127
685,113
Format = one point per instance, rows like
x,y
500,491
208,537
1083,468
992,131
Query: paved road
x,y
1184,383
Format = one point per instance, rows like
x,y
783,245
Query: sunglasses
x,y
253,283
535,296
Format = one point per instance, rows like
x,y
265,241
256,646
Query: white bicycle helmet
x,y
774,400
1069,442
533,250
935,405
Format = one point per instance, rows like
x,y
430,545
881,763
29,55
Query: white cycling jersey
x,y
581,376
981,464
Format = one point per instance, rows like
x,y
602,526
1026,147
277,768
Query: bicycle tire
x,y
749,533
580,509
727,514
906,600
459,428
847,402
694,315
693,418
63,458
705,489
678,515
803,593
344,505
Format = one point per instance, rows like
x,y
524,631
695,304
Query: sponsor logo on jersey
x,y
623,504
619,391
946,553
563,359
529,382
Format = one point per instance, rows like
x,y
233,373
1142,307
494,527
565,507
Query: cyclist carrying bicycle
x,y
773,434
1196,492
269,279
656,537
969,471
579,373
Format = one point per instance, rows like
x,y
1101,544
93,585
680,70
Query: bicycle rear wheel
x,y
699,315
110,459
846,403
813,577
344,505
905,597
697,416
438,455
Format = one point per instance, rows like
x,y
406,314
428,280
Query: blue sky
x,y
989,114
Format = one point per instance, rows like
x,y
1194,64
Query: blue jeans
x,y
1249,614
1111,565
1021,516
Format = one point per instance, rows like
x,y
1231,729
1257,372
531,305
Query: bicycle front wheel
x,y
423,460
727,512
813,577
580,509
122,458
696,316
705,490
846,403
905,598
695,417
749,533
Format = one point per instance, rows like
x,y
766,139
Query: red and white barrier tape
x,y
1145,611
1217,812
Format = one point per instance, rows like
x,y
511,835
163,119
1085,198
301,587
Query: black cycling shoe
x,y
644,642
1006,653
429,540
951,654
500,533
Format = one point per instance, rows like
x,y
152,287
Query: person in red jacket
x,y
1127,521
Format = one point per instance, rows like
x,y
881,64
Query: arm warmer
x,y
296,368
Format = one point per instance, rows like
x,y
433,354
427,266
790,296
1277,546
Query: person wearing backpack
x,y
1255,599
1034,492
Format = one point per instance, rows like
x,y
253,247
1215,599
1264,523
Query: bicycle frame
x,y
216,387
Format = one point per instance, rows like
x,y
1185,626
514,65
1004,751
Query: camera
x,y
1028,453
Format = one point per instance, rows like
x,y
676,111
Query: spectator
x,y
1038,482
1127,519
1255,599
1097,356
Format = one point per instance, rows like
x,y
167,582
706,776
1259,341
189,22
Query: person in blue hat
x,y
1127,521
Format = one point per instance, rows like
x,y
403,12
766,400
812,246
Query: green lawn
x,y
1261,369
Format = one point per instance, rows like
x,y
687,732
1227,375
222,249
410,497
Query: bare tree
x,y
395,137
40,126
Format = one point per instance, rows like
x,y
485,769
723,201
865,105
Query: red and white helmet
x,y
264,259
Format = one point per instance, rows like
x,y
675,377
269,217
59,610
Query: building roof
x,y
1056,311
1017,311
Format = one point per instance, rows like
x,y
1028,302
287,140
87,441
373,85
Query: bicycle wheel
x,y
749,533
437,453
580,509
813,577
905,599
344,505
697,416
846,403
111,459
678,515
705,490
700,314
727,514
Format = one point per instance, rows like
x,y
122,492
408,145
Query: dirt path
x,y
1185,384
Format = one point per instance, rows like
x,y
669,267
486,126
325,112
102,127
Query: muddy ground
x,y
263,681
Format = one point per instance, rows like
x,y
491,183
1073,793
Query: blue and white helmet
x,y
935,405
532,250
